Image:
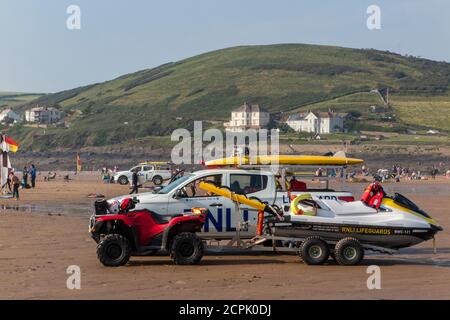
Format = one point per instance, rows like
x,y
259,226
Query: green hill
x,y
281,78
14,99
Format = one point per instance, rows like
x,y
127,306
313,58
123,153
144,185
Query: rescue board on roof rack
x,y
284,160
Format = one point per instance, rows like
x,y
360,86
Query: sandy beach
x,y
47,231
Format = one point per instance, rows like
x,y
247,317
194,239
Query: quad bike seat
x,y
162,218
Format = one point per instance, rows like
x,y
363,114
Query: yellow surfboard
x,y
284,160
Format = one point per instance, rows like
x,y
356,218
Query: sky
x,y
38,53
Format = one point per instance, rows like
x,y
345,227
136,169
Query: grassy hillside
x,y
282,78
14,99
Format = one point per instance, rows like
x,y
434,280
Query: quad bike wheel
x,y
314,251
114,250
157,180
122,180
348,251
186,248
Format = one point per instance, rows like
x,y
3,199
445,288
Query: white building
x,y
43,115
247,117
316,122
10,115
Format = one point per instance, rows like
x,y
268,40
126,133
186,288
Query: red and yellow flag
x,y
78,163
9,145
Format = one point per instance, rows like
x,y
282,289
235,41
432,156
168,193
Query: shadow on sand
x,y
208,262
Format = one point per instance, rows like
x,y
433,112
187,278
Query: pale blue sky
x,y
39,54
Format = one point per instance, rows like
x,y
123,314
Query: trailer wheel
x,y
314,251
348,251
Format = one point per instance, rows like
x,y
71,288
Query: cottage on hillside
x,y
45,115
247,117
316,122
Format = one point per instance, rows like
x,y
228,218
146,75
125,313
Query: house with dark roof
x,y
316,122
247,116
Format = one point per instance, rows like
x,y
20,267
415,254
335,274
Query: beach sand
x,y
47,231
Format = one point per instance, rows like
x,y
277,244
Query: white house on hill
x,y
11,115
247,117
316,122
45,115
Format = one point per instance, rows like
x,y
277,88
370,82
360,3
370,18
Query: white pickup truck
x,y
147,171
183,194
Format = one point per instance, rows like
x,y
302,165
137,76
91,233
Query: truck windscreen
x,y
174,184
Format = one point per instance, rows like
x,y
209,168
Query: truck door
x,y
190,196
252,185
147,172
140,173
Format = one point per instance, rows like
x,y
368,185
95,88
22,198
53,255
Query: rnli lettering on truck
x,y
218,221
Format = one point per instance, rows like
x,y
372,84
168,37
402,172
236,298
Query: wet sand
x,y
38,242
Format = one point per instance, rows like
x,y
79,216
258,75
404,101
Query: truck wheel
x,y
348,251
186,248
114,250
122,180
314,251
157,180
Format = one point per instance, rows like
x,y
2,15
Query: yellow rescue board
x,y
154,163
284,160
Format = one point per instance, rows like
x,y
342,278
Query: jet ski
x,y
377,222
321,228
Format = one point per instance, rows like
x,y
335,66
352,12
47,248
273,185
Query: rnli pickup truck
x,y
147,171
223,215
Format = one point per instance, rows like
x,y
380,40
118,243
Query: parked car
x,y
155,172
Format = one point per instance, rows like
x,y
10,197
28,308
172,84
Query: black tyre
x,y
114,250
186,248
122,180
157,180
314,251
348,251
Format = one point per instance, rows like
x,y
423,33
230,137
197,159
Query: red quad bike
x,y
143,233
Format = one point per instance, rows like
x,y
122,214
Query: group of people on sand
x,y
108,174
14,183
398,173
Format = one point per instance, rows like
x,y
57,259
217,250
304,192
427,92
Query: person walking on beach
x,y
16,183
33,176
134,182
9,181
